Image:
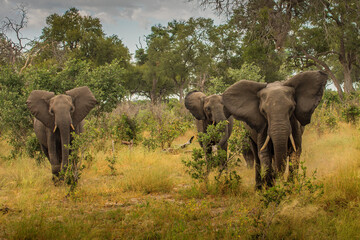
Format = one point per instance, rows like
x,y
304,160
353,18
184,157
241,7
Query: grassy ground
x,y
152,197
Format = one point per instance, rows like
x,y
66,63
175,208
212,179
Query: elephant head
x,y
210,110
61,113
271,109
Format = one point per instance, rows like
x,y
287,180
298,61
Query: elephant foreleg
x,y
53,156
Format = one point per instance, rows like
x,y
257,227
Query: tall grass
x,y
150,196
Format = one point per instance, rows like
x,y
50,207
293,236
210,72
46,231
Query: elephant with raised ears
x,y
209,110
276,114
56,116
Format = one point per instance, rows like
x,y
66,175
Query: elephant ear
x,y
83,100
242,101
309,88
38,104
194,102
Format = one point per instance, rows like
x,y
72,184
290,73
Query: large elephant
x,y
209,110
56,116
276,114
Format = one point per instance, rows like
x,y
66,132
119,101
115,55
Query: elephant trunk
x,y
279,135
64,128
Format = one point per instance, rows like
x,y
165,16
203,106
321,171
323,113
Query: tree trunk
x,y
202,82
181,92
348,84
153,91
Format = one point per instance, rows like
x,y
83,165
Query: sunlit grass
x,y
150,196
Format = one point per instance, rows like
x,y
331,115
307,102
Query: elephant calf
x,y
209,110
55,117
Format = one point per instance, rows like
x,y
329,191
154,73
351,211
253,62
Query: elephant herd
x,y
274,113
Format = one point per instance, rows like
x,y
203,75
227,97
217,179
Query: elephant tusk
x,y
266,143
292,142
72,126
54,128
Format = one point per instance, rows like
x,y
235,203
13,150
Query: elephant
x,y
209,110
56,116
276,114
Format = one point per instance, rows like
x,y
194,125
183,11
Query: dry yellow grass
x,y
152,197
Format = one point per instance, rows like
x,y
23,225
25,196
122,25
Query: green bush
x,y
300,185
33,148
351,113
15,120
204,162
239,140
162,125
125,128
326,118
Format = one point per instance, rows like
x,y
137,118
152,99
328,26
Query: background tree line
x,y
263,40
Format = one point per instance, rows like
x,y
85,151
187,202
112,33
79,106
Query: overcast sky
x,y
128,19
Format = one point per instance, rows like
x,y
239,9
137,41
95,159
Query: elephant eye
x,y
51,112
72,109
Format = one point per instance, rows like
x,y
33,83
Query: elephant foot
x,y
55,169
57,178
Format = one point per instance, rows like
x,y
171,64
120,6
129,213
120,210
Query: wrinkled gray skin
x,y
209,110
277,110
54,116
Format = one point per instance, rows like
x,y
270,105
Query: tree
x,y
71,29
80,37
155,84
329,36
315,32
12,50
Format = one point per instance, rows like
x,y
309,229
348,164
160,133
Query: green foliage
x,y
15,121
300,185
111,164
204,161
248,71
125,128
107,84
150,144
239,140
217,86
351,113
33,148
79,150
325,118
163,126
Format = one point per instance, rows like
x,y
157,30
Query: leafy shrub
x,y
239,140
351,113
301,184
125,128
80,148
325,118
163,126
33,148
204,161
15,118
